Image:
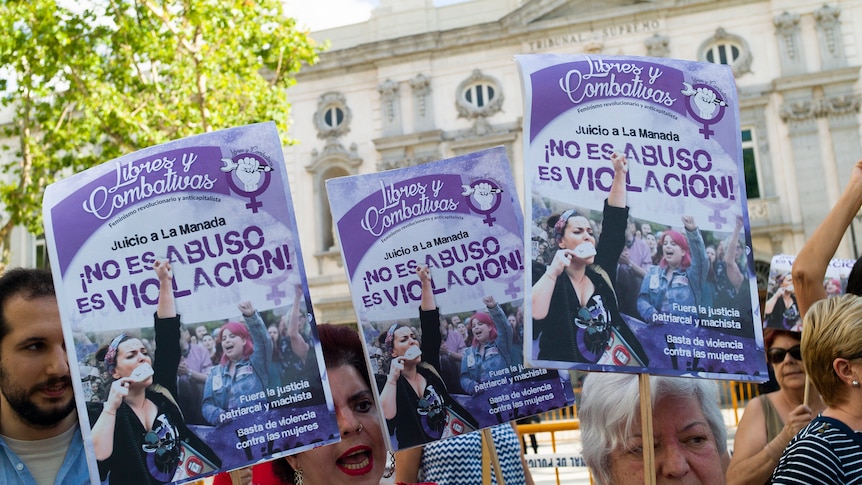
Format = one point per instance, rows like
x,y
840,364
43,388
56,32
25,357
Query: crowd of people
x,y
146,394
607,274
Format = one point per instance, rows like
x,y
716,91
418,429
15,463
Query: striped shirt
x,y
826,451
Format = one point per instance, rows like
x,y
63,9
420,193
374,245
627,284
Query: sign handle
x,y
646,429
488,441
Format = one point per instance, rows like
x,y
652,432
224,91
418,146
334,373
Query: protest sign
x,y
217,208
461,219
670,285
780,310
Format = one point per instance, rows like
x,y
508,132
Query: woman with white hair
x,y
689,436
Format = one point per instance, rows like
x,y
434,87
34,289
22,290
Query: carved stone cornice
x,y
838,105
658,45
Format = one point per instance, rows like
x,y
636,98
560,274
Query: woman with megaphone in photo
x,y
139,434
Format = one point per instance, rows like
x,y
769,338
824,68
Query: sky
x,y
325,14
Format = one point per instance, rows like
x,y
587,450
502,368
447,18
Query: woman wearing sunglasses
x,y
139,434
772,420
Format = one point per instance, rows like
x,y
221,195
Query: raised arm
x,y
733,273
810,265
504,330
298,344
699,262
261,357
167,328
617,195
427,302
166,307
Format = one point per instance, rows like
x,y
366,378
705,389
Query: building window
x,y
723,54
749,163
333,116
726,48
479,96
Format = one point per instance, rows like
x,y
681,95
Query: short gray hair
x,y
610,406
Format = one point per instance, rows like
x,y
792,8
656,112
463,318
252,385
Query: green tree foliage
x,y
90,80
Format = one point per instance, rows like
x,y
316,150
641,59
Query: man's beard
x,y
20,402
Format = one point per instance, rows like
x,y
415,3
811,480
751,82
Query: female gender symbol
x,y
248,167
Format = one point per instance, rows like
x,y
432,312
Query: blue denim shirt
x,y
478,363
658,293
251,375
73,471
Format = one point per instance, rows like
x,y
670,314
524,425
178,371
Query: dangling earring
x,y
297,476
389,470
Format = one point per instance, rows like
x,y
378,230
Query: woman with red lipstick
x,y
771,420
360,457
139,434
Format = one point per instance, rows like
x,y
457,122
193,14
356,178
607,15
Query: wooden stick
x,y
492,452
806,391
646,429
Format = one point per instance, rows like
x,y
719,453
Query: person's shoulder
x,y
198,348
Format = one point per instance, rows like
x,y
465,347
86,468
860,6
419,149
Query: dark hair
x,y
29,284
341,346
770,334
854,280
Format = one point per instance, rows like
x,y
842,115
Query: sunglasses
x,y
776,355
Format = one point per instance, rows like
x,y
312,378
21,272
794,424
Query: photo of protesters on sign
x,y
780,310
637,218
434,255
183,294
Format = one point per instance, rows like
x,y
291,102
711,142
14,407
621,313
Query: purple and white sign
x,y
660,278
226,393
780,310
461,219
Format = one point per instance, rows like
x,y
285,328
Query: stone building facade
x,y
417,83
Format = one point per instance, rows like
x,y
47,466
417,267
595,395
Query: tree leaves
x,y
94,79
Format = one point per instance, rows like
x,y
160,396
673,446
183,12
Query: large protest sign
x,y
669,286
780,310
461,219
217,207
